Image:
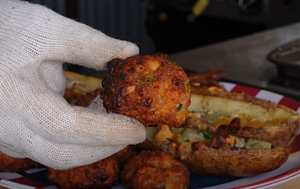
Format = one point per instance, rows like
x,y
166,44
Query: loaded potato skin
x,y
149,88
222,159
269,121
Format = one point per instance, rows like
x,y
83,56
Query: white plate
x,y
36,178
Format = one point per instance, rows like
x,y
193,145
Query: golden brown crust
x,y
155,169
125,154
152,95
102,174
10,164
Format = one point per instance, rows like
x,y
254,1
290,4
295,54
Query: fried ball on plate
x,y
149,88
10,164
102,174
125,154
155,169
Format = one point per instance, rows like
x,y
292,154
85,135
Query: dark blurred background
x,y
171,26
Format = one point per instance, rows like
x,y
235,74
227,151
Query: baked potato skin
x,y
225,161
235,162
158,95
240,96
81,89
278,135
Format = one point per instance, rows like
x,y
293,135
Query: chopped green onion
x,y
206,134
183,130
188,86
179,107
183,139
149,79
172,62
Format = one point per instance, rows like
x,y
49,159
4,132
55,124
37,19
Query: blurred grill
x,y
56,5
121,19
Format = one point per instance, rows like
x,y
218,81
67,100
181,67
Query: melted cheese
x,y
245,121
214,109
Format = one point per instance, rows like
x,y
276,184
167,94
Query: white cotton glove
x,y
35,120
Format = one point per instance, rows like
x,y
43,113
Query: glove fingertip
x,y
130,49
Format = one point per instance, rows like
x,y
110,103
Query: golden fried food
x,y
150,88
155,169
125,154
102,174
10,164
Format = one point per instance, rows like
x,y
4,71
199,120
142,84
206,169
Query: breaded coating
x,y
155,169
102,174
125,154
149,88
10,164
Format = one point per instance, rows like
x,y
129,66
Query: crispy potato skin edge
x,y
225,161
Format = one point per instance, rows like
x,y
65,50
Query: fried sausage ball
x,y
155,169
102,174
125,154
149,88
10,164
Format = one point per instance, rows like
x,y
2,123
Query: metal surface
x,y
245,59
287,60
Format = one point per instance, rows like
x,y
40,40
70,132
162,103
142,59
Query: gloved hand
x,y
35,120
